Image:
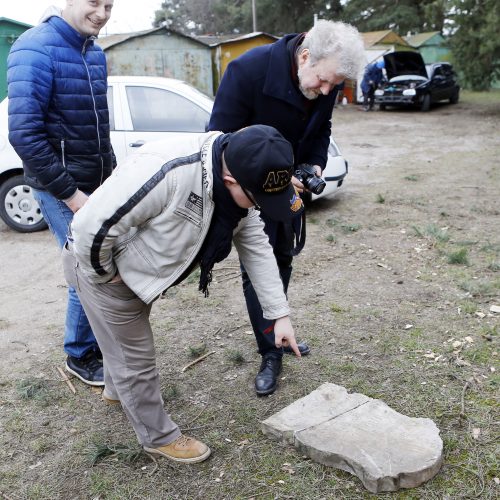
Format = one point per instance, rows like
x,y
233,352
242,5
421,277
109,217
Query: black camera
x,y
306,174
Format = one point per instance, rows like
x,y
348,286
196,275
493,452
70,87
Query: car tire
x,y
18,208
426,103
455,96
382,107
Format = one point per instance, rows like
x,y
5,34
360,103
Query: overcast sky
x,y
128,15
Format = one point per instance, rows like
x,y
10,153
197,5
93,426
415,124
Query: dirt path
x,y
450,152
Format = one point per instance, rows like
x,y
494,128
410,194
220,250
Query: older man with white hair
x,y
290,85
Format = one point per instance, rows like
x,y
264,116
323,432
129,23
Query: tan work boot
x,y
184,449
108,399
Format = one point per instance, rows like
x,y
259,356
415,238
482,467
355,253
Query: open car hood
x,y
404,63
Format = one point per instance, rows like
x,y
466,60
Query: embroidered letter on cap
x,y
277,181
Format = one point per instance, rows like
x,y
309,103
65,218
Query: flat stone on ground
x,y
383,448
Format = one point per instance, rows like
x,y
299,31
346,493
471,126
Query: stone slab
x,y
383,448
326,402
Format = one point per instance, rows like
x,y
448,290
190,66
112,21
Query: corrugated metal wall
x,y
226,52
161,54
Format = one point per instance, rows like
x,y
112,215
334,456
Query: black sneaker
x,y
87,368
98,354
304,349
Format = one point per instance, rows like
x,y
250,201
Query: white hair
x,y
341,41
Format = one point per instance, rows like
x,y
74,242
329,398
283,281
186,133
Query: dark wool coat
x,y
258,88
58,112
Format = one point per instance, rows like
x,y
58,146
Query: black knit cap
x,y
261,160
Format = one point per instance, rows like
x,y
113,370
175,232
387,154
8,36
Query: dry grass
x,y
352,301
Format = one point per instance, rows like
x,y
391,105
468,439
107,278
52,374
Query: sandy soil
x,y
452,150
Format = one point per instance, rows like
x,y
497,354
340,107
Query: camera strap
x,y
299,229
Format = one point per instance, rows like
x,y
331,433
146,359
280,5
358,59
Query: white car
x,y
142,109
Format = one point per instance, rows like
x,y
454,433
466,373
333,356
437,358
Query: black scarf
x,y
227,214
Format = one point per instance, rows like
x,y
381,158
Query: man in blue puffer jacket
x,y
59,126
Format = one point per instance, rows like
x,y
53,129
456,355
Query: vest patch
x,y
194,203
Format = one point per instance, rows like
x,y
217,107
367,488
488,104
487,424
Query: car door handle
x,y
137,144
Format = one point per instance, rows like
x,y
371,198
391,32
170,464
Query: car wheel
x,y
382,107
18,208
455,96
426,103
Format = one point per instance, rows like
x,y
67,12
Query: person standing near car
x,y
59,126
290,85
372,78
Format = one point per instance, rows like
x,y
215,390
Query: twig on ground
x,y
257,492
203,409
197,428
480,478
462,415
5,496
237,327
197,360
227,278
22,343
67,380
232,274
224,268
219,330
155,468
321,479
225,401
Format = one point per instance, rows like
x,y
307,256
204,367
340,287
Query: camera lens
x,y
315,184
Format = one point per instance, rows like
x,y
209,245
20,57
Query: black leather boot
x,y
266,380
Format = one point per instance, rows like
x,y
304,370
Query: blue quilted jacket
x,y
373,76
58,112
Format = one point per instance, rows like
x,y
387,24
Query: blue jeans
x,y
78,336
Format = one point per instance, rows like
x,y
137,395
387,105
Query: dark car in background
x,y
410,82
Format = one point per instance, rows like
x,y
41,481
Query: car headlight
x,y
333,149
379,92
409,92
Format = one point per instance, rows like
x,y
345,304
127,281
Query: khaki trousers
x,y
120,322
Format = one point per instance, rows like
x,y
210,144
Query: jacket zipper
x,y
84,49
63,155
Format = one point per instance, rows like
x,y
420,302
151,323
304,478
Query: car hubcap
x,y
22,207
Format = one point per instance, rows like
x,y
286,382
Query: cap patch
x,y
296,202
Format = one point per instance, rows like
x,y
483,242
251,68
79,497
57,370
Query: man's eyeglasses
x,y
249,195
